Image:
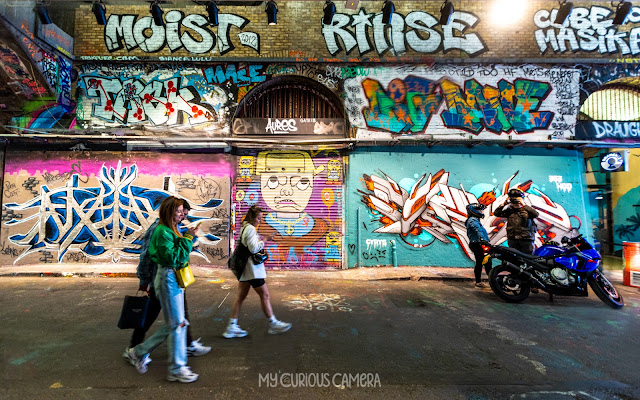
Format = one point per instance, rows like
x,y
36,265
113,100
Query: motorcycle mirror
x,y
565,240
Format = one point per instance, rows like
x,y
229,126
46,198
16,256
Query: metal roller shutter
x,y
300,193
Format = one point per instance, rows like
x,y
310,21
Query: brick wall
x,y
299,33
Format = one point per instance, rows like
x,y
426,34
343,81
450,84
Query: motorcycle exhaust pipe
x,y
527,274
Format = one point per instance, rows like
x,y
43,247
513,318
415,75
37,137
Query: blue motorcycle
x,y
558,269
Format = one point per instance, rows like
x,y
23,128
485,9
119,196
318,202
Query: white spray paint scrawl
x,y
376,243
318,302
561,186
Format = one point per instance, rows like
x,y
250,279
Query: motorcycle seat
x,y
519,253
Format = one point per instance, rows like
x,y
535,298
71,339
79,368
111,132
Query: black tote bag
x,y
134,312
238,260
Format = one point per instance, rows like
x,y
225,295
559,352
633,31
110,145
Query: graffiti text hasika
x,y
586,29
414,30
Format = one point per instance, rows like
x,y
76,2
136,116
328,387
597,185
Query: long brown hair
x,y
167,210
250,216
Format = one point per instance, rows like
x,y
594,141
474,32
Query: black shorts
x,y
256,283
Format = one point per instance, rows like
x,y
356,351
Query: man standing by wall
x,y
521,229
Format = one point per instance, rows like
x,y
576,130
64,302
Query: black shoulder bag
x,y
238,260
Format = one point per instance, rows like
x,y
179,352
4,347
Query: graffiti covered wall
x,y
417,198
178,97
441,101
301,195
458,102
95,207
495,29
33,77
117,96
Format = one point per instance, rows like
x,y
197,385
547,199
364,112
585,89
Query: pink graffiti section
x,y
90,164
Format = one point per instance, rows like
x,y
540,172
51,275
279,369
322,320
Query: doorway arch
x,y
290,97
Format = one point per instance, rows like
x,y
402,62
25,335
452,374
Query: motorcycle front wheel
x,y
605,290
509,285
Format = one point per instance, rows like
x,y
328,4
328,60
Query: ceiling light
x,y
156,13
622,10
505,13
212,10
563,12
387,11
43,13
445,12
100,11
329,12
272,11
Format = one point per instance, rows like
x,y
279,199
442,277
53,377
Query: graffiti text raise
x,y
414,30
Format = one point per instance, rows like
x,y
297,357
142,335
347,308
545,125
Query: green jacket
x,y
168,249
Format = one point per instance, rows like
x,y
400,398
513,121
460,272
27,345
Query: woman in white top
x,y
253,276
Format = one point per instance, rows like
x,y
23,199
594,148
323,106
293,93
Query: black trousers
x,y
523,245
476,248
152,313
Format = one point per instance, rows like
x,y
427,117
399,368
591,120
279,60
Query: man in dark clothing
x,y
521,231
520,226
146,272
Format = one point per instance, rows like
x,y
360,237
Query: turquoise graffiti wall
x,y
417,197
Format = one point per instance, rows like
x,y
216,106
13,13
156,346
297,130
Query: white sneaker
x,y
233,331
279,327
197,349
139,362
184,375
125,355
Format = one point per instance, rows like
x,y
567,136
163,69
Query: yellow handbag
x,y
185,276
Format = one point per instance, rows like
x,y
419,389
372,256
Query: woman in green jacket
x,y
170,250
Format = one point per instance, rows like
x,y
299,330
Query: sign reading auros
x,y
281,126
298,126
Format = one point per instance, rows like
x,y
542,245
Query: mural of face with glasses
x,y
286,180
286,185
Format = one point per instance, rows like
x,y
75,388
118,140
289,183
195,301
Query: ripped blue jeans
x,y
171,298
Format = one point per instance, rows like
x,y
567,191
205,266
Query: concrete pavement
x,y
422,339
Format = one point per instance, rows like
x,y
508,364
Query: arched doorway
x,y
290,97
617,100
290,106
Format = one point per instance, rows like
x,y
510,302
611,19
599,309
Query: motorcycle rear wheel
x,y
509,285
605,290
